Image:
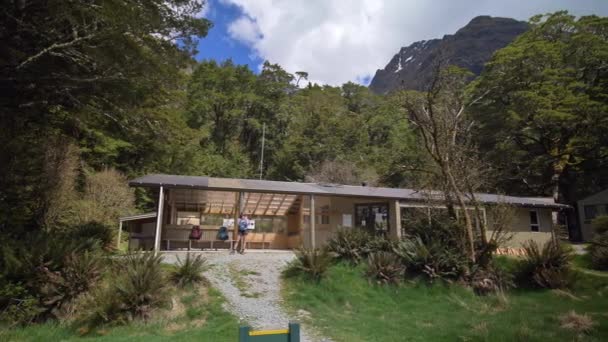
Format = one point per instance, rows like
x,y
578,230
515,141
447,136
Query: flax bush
x,y
350,244
139,288
189,271
546,267
312,263
384,268
598,251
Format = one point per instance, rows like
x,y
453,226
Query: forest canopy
x,y
118,82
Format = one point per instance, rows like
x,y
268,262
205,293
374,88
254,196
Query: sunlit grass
x,y
346,307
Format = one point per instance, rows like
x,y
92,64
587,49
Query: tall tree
x,y
544,115
79,70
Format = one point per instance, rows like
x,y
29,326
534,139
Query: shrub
x,y
598,251
350,245
491,279
58,287
379,244
94,231
45,272
431,259
600,224
312,263
141,286
189,271
384,268
17,305
443,231
549,267
137,290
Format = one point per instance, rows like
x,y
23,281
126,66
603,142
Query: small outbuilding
x,y
590,208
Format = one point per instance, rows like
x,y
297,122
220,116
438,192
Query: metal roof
x,y
265,186
137,217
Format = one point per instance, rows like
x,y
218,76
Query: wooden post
x,y
238,202
313,243
394,213
119,233
159,220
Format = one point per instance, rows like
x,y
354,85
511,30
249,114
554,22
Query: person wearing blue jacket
x,y
243,224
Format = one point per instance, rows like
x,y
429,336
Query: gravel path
x,y
251,284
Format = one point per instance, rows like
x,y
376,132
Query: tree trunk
x,y
467,217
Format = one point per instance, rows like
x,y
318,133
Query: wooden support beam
x,y
269,203
258,203
159,220
313,243
119,233
281,204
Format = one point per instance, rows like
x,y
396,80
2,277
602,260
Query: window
x,y
590,212
534,223
324,219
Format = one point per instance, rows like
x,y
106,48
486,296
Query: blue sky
x,y
219,45
337,41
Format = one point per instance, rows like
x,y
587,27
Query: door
x,y
373,217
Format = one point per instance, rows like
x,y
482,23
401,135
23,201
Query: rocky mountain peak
x,y
470,47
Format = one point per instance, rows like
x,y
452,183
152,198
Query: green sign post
x,y
292,334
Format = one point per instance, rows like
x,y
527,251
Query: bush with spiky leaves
x,y
312,263
490,279
384,268
431,259
350,245
137,290
546,267
598,251
600,224
189,271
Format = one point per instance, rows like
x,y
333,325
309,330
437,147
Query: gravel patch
x,y
251,285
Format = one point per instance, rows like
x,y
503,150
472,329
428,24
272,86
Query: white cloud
x,y
245,29
337,41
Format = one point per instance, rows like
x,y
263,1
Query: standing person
x,y
242,234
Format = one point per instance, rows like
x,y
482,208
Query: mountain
x,y
470,47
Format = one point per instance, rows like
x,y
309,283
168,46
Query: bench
x,y
257,239
181,235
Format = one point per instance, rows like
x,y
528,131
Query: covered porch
x,y
283,219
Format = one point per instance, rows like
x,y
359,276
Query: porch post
x,y
312,221
159,220
119,232
238,208
394,213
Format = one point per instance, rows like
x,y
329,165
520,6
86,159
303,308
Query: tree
x,y
439,117
544,115
78,70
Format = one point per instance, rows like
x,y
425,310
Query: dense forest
x,y
94,90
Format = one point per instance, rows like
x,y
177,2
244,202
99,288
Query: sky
x,y
337,41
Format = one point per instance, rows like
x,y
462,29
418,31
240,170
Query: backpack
x,y
196,233
222,234
243,225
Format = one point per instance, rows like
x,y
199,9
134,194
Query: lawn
x,y
346,307
196,315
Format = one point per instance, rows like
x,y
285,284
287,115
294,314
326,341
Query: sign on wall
x,y
347,220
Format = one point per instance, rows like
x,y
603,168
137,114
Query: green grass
x,y
202,319
345,307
